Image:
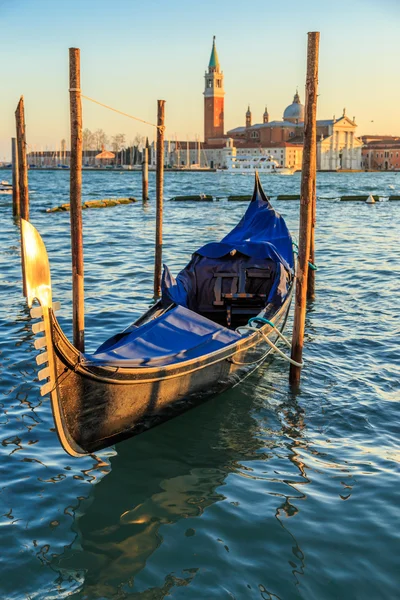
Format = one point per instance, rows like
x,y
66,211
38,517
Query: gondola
x,y
213,325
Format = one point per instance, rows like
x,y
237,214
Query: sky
x,y
135,52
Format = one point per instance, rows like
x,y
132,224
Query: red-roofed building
x,y
381,153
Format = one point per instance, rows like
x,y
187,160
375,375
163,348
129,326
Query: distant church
x,y
337,147
268,132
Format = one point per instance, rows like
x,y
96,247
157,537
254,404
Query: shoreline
x,y
114,170
174,170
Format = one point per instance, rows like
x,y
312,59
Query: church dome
x,y
295,111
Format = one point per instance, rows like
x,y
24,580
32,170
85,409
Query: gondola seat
x,y
228,285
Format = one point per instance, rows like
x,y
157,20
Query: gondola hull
x,y
95,407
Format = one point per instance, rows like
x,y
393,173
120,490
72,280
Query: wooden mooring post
x,y
308,178
145,174
159,197
22,175
311,271
78,318
15,179
22,162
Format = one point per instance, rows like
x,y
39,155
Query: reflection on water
x,y
169,474
256,494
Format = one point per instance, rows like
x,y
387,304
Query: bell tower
x,y
248,117
213,98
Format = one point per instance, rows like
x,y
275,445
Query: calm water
x,y
258,494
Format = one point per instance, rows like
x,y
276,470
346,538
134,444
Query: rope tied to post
x,y
310,264
265,321
120,112
250,327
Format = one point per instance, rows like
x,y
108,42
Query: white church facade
x,y
338,148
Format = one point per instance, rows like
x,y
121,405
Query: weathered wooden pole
x,y
78,321
308,178
15,179
149,158
22,162
311,271
145,175
159,196
22,175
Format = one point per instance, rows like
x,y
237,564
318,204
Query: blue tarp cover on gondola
x,y
261,235
175,336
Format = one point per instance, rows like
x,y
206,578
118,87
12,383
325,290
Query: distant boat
x,y
250,163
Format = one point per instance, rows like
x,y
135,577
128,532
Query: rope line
x,y
276,349
252,362
63,372
310,264
249,327
280,334
117,111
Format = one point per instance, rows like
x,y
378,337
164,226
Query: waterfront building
x,y
381,153
285,153
338,148
337,145
192,155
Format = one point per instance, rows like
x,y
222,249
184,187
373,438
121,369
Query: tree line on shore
x,y
95,140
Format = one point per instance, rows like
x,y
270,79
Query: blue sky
x,y
133,53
